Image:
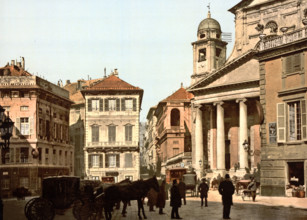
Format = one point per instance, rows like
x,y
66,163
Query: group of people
x,y
177,194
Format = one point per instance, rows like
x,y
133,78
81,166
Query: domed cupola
x,y
209,50
209,28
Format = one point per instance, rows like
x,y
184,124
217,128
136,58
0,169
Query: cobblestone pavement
x,y
265,208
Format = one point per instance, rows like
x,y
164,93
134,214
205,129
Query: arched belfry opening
x,y
175,117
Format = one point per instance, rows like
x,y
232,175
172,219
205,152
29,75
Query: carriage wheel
x,y
40,209
26,209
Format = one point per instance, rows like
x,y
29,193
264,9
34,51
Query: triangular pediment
x,y
241,70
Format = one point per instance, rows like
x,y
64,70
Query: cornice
x,y
292,91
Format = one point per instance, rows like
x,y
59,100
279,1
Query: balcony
x,y
268,43
179,157
113,144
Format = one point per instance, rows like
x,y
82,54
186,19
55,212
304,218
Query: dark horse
x,y
136,190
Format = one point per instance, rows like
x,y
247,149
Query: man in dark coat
x,y
203,188
182,189
175,200
161,198
226,189
253,188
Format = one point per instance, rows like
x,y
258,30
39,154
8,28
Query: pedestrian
x,y
203,188
253,187
161,198
226,189
152,199
175,200
182,190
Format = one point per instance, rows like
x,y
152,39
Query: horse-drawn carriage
x,y
190,181
62,193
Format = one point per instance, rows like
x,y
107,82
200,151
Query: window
x,y
54,157
128,132
292,63
24,126
129,104
129,178
15,94
291,121
128,160
95,160
6,183
112,133
175,151
24,108
112,104
24,154
218,52
95,133
95,104
294,121
24,182
175,117
112,160
202,55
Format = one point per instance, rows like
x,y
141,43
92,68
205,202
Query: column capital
x,y
218,103
198,106
241,100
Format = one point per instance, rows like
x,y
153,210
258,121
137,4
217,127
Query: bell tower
x,y
209,51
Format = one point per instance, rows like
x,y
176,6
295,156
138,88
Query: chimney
x,y
67,82
22,62
115,72
105,73
13,63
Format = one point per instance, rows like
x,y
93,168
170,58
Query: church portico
x,y
221,128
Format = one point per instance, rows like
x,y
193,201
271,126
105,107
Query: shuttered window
x,y
95,133
281,122
25,126
128,160
291,121
293,63
134,104
123,104
117,104
89,105
112,133
129,104
101,105
128,132
112,160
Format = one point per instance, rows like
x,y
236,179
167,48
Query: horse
x,y
135,190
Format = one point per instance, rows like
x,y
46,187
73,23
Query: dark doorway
x,y
296,173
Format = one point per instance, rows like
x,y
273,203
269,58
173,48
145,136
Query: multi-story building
x,y
77,121
112,117
173,139
283,92
40,141
150,149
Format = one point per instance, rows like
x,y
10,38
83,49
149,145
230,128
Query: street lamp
x,y
247,149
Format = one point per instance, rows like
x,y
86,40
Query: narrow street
x,y
264,208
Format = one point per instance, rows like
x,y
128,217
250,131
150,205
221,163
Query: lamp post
x,y
247,148
6,128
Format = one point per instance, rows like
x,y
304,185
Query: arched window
x,y
175,117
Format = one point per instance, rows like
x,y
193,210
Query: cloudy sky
x,y
148,41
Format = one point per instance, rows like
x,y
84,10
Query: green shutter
x,y
281,122
107,161
89,105
297,62
117,160
101,105
304,120
106,104
31,125
100,161
134,104
89,161
123,104
117,104
17,126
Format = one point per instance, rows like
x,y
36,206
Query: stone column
x,y
198,141
211,138
242,133
220,135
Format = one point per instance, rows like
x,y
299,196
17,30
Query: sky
x,y
148,41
